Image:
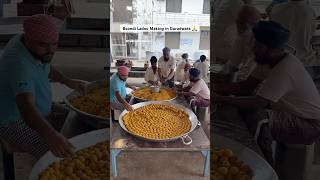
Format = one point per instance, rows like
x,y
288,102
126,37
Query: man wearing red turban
x,y
118,93
26,100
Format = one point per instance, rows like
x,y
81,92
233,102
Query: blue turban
x,y
271,34
194,72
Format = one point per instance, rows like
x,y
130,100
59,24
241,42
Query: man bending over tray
x,y
26,102
279,82
118,94
197,89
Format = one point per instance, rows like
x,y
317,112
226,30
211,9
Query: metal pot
x,y
90,119
137,99
192,118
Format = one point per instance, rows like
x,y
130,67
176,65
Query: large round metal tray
x,y
261,169
145,100
80,142
192,118
90,119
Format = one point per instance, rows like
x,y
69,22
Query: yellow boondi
x,y
157,121
146,93
88,164
226,166
95,102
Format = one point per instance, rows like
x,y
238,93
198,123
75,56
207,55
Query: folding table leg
x,y
114,154
206,154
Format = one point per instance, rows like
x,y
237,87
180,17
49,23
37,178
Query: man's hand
x,y
59,145
76,84
128,107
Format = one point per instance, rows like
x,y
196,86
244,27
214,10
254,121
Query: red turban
x,y
123,71
41,27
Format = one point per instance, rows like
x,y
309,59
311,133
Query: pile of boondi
x,y
146,93
95,102
88,164
157,121
226,166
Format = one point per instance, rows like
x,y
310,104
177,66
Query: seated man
x,y
282,84
25,91
197,89
152,75
118,94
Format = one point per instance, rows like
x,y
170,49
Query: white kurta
x,y
224,29
204,70
166,66
180,74
151,76
299,18
242,55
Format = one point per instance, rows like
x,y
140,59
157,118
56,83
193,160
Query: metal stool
x,y
201,113
292,161
8,159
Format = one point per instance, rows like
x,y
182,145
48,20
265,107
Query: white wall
x,y
192,6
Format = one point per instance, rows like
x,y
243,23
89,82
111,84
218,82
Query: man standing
x,y
25,92
203,67
279,82
167,65
299,18
242,56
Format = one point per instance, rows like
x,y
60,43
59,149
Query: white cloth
x,y
242,56
291,89
224,29
201,89
166,66
151,76
180,73
204,70
299,18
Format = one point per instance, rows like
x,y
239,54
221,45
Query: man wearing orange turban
x,y
26,100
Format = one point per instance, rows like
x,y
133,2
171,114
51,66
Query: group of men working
x,y
166,72
270,77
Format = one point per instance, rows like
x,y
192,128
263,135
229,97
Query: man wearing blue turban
x,y
198,89
280,83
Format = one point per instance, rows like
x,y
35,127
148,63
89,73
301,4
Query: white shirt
x,y
224,29
166,66
204,69
151,76
201,89
180,73
299,18
291,89
242,55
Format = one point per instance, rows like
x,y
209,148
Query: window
x,y
204,40
121,11
173,6
206,7
172,40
